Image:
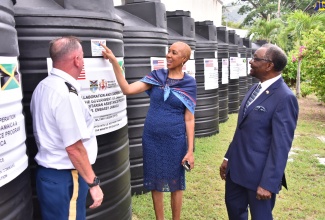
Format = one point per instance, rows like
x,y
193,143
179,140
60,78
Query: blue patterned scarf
x,y
184,89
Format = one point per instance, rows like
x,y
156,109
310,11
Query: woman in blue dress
x,y
168,136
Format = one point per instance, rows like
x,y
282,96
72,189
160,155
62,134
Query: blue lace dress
x,y
164,137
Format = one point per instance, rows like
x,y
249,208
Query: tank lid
x,y
247,42
44,6
261,42
14,2
139,1
221,28
178,13
203,23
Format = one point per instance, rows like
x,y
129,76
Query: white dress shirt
x,y
264,85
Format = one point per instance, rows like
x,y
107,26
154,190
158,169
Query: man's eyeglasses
x,y
260,59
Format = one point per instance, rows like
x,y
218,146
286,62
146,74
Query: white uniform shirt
x,y
60,119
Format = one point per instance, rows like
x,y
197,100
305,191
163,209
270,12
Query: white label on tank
x,y
210,74
242,69
102,94
13,158
233,68
96,48
225,71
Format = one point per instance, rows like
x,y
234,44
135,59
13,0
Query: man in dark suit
x,y
255,161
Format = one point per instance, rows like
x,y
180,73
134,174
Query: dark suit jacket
x,y
258,153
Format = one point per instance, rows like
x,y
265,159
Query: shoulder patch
x,y
71,88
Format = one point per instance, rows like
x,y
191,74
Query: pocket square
x,y
260,108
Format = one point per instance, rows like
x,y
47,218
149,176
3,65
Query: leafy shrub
x,y
315,61
306,89
290,71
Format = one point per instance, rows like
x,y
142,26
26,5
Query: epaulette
x,y
71,88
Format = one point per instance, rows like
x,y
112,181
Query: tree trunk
x,y
279,5
298,92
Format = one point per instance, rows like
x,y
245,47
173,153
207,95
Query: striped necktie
x,y
252,97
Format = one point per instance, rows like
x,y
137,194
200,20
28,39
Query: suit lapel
x,y
265,95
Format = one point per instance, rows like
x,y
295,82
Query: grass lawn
x,y
204,196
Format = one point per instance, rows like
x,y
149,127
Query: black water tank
x,y
181,27
223,72
233,86
248,44
37,23
242,68
207,105
145,36
15,187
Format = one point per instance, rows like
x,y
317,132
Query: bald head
x,y
185,49
64,48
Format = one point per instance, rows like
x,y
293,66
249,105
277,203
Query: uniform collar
x,y
67,77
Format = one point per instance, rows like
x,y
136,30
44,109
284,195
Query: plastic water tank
x,y
248,44
15,187
181,27
242,65
223,72
145,36
233,86
207,108
37,23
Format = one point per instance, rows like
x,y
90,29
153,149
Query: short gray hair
x,y
276,55
61,47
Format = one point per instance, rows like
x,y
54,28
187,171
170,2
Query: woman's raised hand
x,y
108,54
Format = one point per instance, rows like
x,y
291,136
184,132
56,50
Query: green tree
x,y
290,71
314,54
297,23
274,8
265,30
298,56
230,24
